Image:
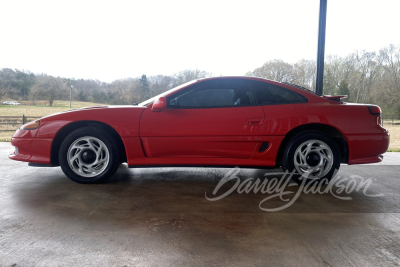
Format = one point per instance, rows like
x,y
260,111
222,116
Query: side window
x,y
206,98
214,93
268,94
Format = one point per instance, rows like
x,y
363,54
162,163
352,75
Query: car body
x,y
14,103
223,121
7,103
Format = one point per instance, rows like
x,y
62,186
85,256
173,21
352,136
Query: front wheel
x,y
312,156
89,155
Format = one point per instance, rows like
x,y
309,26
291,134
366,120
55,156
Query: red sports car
x,y
223,121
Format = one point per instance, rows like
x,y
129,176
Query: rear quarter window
x,y
269,94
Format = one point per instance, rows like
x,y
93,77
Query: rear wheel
x,y
313,156
89,155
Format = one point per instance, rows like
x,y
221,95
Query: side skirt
x,y
200,166
33,164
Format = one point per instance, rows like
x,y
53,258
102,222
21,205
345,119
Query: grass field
x,y
394,131
36,111
39,111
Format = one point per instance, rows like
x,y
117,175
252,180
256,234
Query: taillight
x,y
379,121
374,110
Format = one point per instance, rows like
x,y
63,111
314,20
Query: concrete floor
x,y
160,217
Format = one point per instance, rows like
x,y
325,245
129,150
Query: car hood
x,y
94,110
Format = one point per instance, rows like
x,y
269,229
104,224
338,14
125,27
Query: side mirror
x,y
159,104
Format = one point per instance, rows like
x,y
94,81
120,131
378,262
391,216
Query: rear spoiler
x,y
336,98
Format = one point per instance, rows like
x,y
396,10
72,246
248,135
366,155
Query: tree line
x,y
365,76
24,85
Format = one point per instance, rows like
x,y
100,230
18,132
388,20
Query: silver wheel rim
x,y
321,162
88,156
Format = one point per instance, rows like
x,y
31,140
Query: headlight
x,y
31,125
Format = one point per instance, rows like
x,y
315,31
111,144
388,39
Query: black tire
x,y
98,135
301,140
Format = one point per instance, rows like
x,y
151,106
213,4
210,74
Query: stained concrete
x,y
161,217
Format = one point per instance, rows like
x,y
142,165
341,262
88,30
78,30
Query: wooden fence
x,y
12,123
390,119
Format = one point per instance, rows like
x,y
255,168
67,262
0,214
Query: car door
x,y
215,118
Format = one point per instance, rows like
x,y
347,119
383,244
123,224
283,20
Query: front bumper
x,y
36,150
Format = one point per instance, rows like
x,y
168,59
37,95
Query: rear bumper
x,y
35,150
367,148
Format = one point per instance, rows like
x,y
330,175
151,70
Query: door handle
x,y
254,121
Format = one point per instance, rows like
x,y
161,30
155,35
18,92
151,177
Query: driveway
x,y
161,217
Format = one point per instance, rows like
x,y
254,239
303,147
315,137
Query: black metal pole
x,y
321,47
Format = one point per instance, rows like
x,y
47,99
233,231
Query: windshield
x,y
151,100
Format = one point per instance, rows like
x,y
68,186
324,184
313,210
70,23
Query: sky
x,y
109,40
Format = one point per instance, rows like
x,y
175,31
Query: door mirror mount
x,y
159,104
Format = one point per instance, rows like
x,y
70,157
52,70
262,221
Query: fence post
x,y
23,119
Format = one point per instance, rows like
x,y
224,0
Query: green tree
x,y
7,82
99,96
329,87
344,89
82,96
24,82
144,88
